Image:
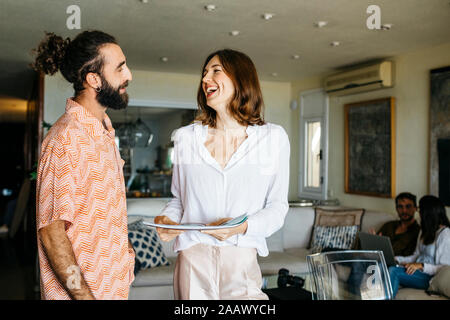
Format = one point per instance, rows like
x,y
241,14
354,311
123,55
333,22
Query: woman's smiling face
x,y
217,86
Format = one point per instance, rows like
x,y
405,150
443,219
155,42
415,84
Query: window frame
x,y
304,191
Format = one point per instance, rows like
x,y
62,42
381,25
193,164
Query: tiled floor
x,y
17,271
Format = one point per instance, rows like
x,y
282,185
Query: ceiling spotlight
x,y
386,26
234,33
295,57
164,59
210,7
274,74
144,1
267,16
320,24
335,43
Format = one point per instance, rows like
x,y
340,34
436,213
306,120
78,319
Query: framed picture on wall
x,y
370,148
439,163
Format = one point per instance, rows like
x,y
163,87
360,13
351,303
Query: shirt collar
x,y
202,130
92,125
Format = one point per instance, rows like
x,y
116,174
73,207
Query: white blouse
x,y
440,253
254,181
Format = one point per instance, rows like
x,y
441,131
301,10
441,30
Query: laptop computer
x,y
374,242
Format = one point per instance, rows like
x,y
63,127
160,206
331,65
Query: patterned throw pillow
x,y
338,237
330,217
148,249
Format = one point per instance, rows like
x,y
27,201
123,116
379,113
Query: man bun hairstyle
x,y
50,53
74,58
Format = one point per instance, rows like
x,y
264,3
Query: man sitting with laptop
x,y
394,238
403,233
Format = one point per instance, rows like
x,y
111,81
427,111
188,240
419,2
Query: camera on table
x,y
285,279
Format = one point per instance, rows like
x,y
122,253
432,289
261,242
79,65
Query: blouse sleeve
x,y
174,209
271,218
442,254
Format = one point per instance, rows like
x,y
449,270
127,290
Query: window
x,y
313,164
313,154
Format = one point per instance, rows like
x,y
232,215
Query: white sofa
x,y
287,247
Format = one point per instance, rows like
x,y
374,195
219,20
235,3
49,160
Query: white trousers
x,y
204,272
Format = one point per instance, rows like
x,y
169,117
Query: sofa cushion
x,y
336,237
144,207
333,217
159,276
338,217
275,241
297,227
167,247
416,294
375,220
148,248
440,283
292,259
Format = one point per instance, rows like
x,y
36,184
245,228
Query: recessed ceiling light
x,y
295,56
335,43
234,33
164,59
274,74
267,16
210,7
320,24
144,1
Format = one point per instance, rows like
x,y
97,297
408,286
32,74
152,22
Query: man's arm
x,y
58,249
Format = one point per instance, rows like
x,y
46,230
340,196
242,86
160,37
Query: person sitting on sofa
x,y
432,251
404,232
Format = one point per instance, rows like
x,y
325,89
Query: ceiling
x,y
185,33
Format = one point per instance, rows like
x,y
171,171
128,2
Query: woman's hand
x,y
224,234
167,234
412,267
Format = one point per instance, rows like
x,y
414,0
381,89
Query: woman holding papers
x,y
227,163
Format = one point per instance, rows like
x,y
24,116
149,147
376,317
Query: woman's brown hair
x,y
247,105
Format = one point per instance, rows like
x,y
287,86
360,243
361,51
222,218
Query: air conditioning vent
x,y
376,76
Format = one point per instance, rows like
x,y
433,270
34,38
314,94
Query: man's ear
x,y
93,80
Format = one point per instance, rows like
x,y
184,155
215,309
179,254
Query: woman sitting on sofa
x,y
432,250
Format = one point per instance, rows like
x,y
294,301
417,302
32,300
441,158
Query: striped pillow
x,y
338,237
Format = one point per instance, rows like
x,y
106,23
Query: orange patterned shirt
x,y
80,180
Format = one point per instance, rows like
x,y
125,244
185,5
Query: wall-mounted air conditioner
x,y
371,77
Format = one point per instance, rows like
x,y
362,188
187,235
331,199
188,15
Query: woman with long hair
x,y
227,163
432,251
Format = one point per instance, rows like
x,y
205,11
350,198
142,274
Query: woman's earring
x,y
98,89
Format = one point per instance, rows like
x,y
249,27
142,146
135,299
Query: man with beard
x,y
84,251
404,232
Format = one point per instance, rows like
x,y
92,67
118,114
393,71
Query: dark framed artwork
x,y
370,148
439,153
